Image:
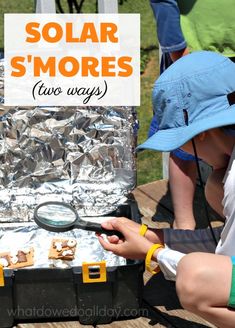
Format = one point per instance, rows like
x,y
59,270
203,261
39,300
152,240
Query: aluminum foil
x,y
19,236
79,155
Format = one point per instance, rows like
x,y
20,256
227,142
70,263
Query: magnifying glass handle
x,y
92,226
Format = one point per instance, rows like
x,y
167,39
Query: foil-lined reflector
x,y
79,155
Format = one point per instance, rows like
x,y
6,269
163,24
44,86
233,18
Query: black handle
x,y
93,226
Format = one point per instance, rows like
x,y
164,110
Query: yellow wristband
x,y
2,284
143,229
149,258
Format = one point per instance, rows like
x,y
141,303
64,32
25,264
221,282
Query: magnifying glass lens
x,y
56,215
60,217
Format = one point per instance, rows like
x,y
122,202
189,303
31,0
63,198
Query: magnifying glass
x,y
61,217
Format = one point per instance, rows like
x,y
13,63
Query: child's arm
x,y
135,246
169,31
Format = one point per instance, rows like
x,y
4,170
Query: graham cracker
x,y
29,262
54,254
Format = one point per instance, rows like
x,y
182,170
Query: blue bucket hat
x,y
195,94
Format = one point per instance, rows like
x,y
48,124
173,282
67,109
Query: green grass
x,y
13,6
148,34
148,162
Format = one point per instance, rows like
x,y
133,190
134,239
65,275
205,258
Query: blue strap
x,y
233,260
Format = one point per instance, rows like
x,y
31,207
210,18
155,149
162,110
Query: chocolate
x,y
21,257
64,244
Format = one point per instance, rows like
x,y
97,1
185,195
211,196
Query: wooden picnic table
x,y
160,299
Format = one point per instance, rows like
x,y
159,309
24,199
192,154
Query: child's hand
x,y
129,224
133,246
154,236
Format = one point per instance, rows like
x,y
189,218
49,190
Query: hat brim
x,y
171,139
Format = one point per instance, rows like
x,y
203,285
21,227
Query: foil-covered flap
x,y
15,237
80,155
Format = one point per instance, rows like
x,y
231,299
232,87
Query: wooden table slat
x,y
158,191
150,209
134,323
69,324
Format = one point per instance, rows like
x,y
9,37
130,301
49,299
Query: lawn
x,y
148,162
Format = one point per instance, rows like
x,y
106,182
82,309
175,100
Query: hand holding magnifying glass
x,y
61,217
